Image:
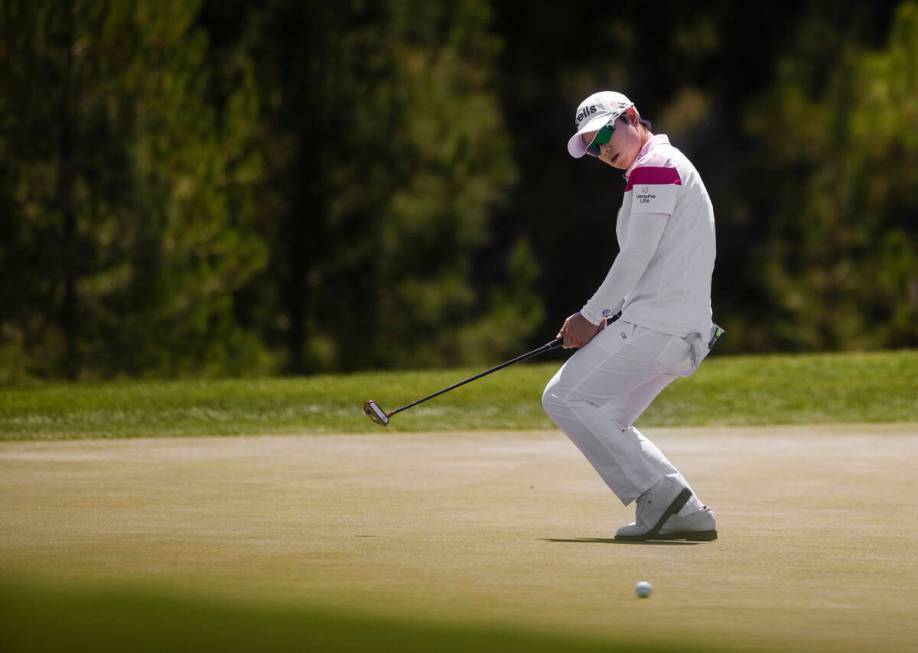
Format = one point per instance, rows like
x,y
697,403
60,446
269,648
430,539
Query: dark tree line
x,y
252,187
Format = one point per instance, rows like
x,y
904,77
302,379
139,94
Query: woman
x,y
661,283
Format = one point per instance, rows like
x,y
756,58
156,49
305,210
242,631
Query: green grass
x,y
848,387
36,617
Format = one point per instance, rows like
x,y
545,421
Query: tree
x,y
387,153
129,194
840,262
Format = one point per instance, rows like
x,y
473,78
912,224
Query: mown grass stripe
x,y
781,389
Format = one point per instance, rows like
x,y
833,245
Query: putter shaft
x,y
375,412
549,346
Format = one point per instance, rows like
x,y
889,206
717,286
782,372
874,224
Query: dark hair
x,y
647,124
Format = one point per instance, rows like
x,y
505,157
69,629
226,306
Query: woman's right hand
x,y
578,331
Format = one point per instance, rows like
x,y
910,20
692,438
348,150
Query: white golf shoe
x,y
699,526
654,508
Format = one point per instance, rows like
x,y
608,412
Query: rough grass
x,y
783,389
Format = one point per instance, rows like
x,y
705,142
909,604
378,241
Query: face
x,y
624,146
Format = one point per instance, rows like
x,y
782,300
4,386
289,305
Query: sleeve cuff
x,y
591,316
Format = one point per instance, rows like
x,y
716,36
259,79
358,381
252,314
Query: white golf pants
x,y
602,389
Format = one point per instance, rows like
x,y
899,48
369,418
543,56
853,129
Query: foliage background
x,y
229,187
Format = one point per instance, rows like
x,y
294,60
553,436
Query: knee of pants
x,y
553,402
549,401
559,402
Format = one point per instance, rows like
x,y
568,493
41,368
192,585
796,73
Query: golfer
x,y
661,283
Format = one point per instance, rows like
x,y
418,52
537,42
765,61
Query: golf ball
x,y
643,589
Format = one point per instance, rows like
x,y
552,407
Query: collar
x,y
658,139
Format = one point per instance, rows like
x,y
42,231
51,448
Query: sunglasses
x,y
602,137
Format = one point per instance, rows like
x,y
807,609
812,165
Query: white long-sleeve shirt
x,y
661,278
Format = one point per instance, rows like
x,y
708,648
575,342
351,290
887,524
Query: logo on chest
x,y
643,195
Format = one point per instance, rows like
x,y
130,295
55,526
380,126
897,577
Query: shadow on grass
x,y
609,540
81,617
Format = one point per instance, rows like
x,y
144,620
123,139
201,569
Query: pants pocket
x,y
675,358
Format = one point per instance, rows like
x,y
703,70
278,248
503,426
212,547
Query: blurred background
x,y
225,188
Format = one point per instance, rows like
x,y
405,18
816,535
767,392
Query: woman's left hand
x,y
578,331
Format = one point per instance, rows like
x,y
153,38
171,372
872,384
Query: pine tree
x,y
841,263
129,194
387,155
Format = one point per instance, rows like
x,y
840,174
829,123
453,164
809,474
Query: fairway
x,y
818,545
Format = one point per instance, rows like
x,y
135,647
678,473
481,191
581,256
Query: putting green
x,y
818,545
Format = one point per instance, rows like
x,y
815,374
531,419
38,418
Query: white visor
x,y
575,145
593,114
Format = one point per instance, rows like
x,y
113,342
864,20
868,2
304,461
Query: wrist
x,y
588,315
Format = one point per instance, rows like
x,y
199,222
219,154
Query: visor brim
x,y
575,145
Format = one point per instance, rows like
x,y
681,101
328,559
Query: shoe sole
x,y
692,536
680,500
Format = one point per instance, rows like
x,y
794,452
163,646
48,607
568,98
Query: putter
x,y
375,412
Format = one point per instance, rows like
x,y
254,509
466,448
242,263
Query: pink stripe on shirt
x,y
653,175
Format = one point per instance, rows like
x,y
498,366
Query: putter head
x,y
375,413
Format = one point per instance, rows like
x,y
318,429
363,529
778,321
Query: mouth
x,y
614,158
